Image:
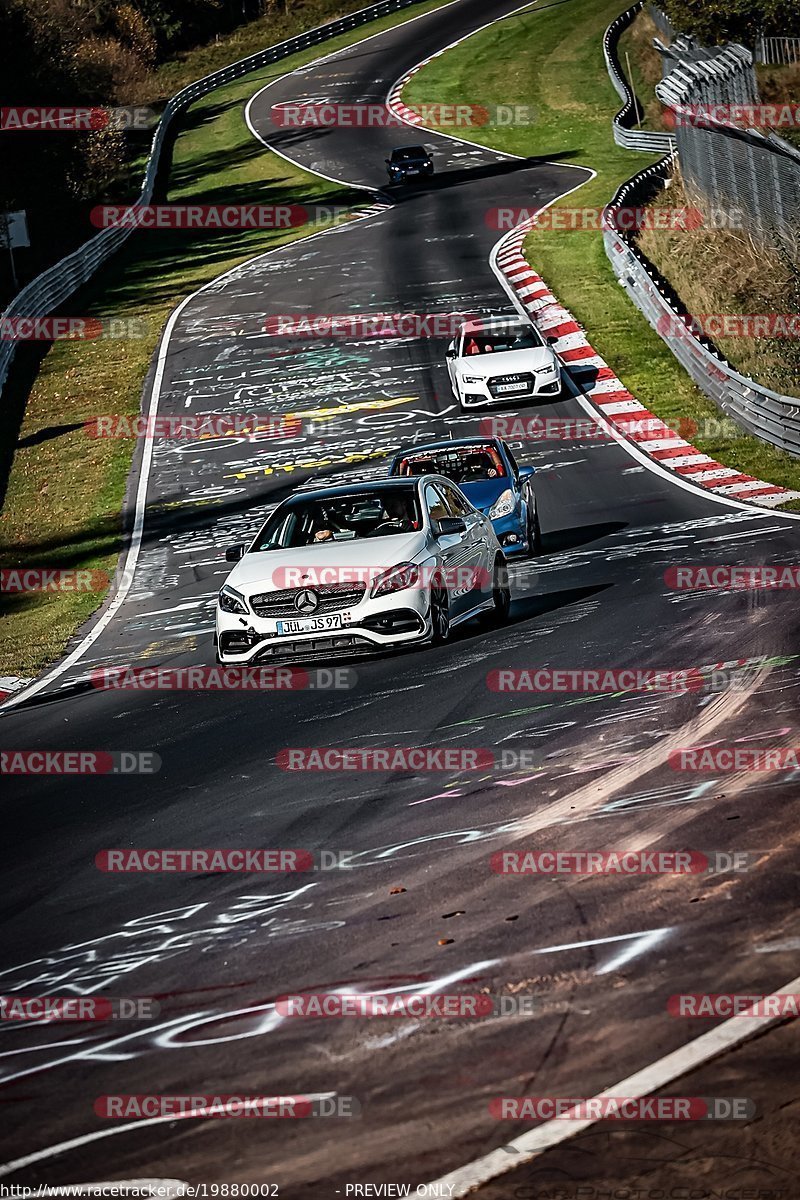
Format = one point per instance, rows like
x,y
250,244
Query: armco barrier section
x,y
47,291
708,156
624,133
766,414
757,173
614,404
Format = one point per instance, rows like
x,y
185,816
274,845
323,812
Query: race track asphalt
x,y
418,904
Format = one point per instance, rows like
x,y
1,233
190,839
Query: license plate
x,y
310,624
511,387
413,171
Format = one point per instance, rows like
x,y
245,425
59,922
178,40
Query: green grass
x,y
64,499
552,58
637,50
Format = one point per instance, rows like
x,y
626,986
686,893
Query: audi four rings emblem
x,y
306,601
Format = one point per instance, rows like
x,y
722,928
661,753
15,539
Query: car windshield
x,y
313,522
499,341
462,464
409,154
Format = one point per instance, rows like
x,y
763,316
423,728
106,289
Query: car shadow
x,y
458,176
559,540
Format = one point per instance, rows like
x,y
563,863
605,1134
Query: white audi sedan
x,y
359,567
494,360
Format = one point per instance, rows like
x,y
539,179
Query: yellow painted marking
x,y
304,465
344,409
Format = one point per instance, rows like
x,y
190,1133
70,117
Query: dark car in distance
x,y
409,162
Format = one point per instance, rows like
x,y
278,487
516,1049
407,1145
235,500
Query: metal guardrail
x,y
649,141
778,51
703,77
661,21
708,77
51,288
768,415
752,171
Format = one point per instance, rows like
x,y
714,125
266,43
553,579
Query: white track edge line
x,y
649,1079
131,558
132,554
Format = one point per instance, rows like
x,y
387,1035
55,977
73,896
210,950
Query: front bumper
x,y
511,534
473,395
402,176
398,619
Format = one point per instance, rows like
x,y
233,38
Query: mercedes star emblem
x,y
306,601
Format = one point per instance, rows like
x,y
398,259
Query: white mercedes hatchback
x,y
359,567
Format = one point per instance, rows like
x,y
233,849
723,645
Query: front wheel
x,y
501,592
534,533
440,616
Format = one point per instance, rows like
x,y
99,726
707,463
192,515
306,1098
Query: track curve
x,y
217,950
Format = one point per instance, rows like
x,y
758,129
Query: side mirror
x,y
387,161
450,353
551,340
450,525
234,553
526,472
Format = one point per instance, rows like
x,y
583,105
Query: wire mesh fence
x,y
715,104
767,414
746,176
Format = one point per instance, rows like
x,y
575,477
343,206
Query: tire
x,y
440,616
501,592
534,534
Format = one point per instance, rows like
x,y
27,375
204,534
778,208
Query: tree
x,y
715,21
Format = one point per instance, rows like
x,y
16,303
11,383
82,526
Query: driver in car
x,y
397,513
329,527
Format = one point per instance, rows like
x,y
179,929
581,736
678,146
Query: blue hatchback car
x,y
490,478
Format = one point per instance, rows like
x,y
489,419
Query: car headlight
x,y
396,579
550,369
472,379
503,505
231,601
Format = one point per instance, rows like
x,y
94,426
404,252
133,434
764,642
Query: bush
x,y
716,21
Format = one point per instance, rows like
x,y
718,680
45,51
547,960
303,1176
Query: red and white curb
x,y
612,399
394,101
607,392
